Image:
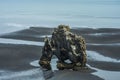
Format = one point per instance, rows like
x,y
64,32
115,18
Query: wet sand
x,y
17,57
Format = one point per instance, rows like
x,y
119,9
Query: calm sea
x,y
19,14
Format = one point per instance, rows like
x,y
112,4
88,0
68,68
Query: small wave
x,y
101,34
92,55
104,74
35,63
16,25
24,42
33,74
12,27
43,36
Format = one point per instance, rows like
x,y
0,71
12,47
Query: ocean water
x,y
20,14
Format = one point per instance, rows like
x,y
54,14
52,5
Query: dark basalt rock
x,y
66,46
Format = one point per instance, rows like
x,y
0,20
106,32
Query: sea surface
x,y
20,14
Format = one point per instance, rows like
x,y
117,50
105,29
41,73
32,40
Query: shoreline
x,y
17,57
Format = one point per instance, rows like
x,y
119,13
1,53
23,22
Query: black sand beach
x,y
17,57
